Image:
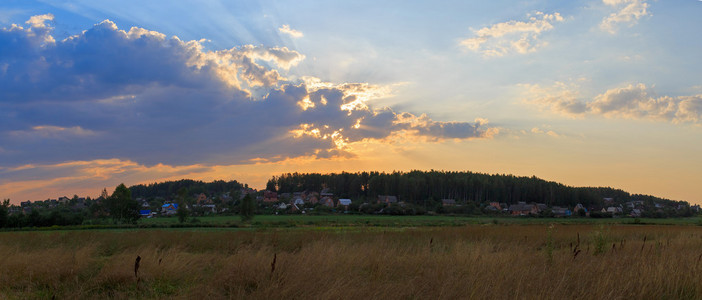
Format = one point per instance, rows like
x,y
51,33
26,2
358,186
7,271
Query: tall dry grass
x,y
493,262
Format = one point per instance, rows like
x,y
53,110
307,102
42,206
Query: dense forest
x,y
168,189
420,187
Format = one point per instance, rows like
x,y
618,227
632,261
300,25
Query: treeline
x,y
420,187
168,189
36,218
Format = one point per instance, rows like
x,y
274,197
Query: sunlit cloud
x,y
82,177
634,101
628,12
542,131
291,32
559,98
144,97
512,36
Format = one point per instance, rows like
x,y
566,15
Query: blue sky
x,y
95,93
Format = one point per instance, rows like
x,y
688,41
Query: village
x,y
325,201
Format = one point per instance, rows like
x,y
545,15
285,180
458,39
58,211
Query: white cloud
x,y
39,21
628,12
291,32
630,102
512,36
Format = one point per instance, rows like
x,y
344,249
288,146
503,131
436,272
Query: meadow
x,y
344,220
475,261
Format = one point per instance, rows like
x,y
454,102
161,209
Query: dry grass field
x,y
470,262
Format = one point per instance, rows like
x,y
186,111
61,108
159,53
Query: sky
x,y
586,93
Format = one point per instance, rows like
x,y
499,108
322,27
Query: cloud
x,y
44,132
512,36
539,131
291,32
560,99
35,181
137,95
630,102
628,12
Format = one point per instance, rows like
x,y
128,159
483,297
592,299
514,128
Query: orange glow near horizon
x,y
497,156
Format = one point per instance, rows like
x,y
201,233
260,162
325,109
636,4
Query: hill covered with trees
x,y
429,187
168,189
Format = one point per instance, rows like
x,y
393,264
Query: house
x,y
345,203
523,209
282,206
270,196
613,210
326,193
496,205
209,208
169,209
448,202
202,199
79,206
298,201
327,201
313,197
541,207
144,204
245,191
579,207
387,199
145,213
635,204
636,212
561,211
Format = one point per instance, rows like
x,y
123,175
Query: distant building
x,y
387,199
270,196
327,201
561,211
636,212
202,199
496,205
523,209
345,203
169,209
326,193
448,202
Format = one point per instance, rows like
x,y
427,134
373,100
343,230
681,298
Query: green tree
x,y
121,205
182,213
247,208
3,213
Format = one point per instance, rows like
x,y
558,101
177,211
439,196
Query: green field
x,y
400,221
